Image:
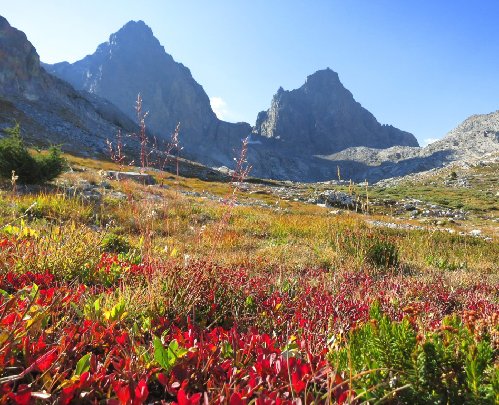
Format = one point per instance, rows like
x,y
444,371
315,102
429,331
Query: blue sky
x,y
423,66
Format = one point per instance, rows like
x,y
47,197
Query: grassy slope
x,y
326,268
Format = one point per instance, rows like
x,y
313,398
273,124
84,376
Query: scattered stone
x,y
332,198
142,178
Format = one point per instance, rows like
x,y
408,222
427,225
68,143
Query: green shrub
x,y
113,243
15,157
383,254
390,363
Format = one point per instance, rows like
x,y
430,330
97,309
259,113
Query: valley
x,y
317,257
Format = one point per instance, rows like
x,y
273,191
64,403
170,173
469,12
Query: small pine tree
x,y
15,157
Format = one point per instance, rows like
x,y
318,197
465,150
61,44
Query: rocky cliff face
x,y
49,110
133,61
322,117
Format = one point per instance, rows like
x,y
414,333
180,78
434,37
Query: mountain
x,y
319,118
322,117
305,135
475,139
133,61
49,110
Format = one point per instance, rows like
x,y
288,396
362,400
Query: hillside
x,y
49,109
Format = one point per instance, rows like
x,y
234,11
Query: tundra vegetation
x,y
121,292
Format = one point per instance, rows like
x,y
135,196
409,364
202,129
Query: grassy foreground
x,y
119,292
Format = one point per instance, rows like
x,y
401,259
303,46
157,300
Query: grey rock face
x,y
133,61
322,117
49,110
142,178
475,139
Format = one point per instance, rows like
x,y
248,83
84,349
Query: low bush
x,y
113,243
383,254
15,159
391,362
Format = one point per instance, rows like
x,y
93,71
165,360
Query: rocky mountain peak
x,y
326,78
134,35
322,117
133,61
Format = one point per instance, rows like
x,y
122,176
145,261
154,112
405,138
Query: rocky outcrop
x,y
49,110
133,61
322,117
475,139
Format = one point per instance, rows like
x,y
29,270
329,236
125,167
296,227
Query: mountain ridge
x,y
134,61
298,138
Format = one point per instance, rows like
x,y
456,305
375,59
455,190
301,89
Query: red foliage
x,y
268,345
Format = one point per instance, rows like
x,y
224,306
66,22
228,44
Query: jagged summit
x,y
134,35
133,61
133,27
325,77
323,117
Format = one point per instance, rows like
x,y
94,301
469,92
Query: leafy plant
x,y
394,362
383,254
113,243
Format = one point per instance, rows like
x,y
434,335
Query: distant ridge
x,y
305,135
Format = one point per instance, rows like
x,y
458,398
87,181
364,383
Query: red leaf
x,y
22,397
45,361
298,384
67,395
9,319
236,399
344,397
184,399
141,391
84,377
195,399
122,392
121,339
163,380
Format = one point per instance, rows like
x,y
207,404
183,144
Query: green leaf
x,y
34,291
176,350
160,354
83,365
167,358
97,305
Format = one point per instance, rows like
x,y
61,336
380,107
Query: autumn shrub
x,y
15,158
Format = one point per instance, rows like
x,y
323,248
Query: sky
x,y
423,66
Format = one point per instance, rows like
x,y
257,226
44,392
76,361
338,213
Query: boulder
x,y
142,178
